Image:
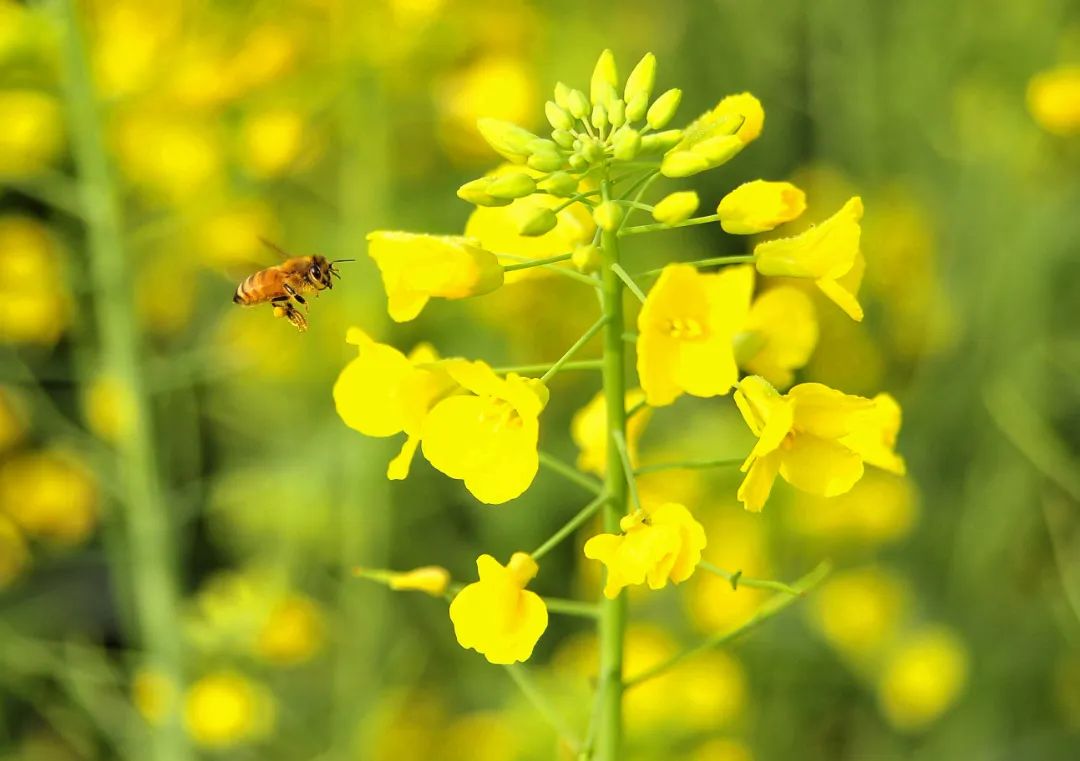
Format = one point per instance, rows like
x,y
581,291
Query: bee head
x,y
320,272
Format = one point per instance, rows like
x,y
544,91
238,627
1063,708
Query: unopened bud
x,y
508,140
599,116
626,144
683,164
641,79
577,104
562,95
558,117
605,79
592,151
515,185
563,138
547,161
718,150
616,113
476,192
577,161
587,258
559,184
636,107
658,142
676,207
536,221
608,216
662,111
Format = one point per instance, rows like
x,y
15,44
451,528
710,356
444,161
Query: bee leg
x,y
292,292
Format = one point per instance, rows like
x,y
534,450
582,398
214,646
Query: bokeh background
x,y
951,626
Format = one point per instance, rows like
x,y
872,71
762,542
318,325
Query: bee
x,y
283,285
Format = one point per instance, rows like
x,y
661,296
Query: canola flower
x,y
563,204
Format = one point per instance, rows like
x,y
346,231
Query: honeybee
x,y
283,285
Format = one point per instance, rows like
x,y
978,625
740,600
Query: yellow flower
x,y
738,542
12,425
14,554
417,267
847,518
716,136
487,439
1053,98
108,408
171,157
33,133
858,611
589,431
922,678
828,253
749,108
383,393
758,206
657,546
270,141
229,235
686,331
292,633
34,305
779,335
496,616
816,438
49,495
153,695
224,708
724,749
431,579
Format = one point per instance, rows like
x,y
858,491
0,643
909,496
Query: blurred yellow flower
x,y
431,579
225,708
417,267
816,438
488,439
153,695
589,431
292,633
828,252
882,507
127,41
497,616
686,331
12,425
108,408
760,205
171,157
736,541
858,611
922,678
33,133
724,749
383,393
14,554
1053,98
658,545
494,86
270,141
34,304
778,336
50,495
229,235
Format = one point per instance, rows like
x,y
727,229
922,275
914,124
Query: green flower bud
x,y
676,207
558,117
683,164
636,107
599,116
508,140
658,142
559,184
627,144
563,138
546,162
616,113
577,161
587,258
592,151
536,221
476,192
641,79
514,185
605,79
577,104
562,95
608,216
662,111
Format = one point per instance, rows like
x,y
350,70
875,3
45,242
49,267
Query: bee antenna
x,y
335,261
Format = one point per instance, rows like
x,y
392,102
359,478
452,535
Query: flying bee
x,y
283,285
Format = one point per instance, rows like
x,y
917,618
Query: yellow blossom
x,y
828,253
686,331
431,579
383,393
172,158
922,678
153,695
416,268
49,495
497,616
858,611
34,306
270,141
108,408
716,136
589,431
659,545
229,235
12,425
33,132
292,633
1053,98
481,736
760,205
14,554
778,336
225,708
488,438
816,438
882,507
749,108
737,541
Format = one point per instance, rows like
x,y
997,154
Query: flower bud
x,y
562,95
559,184
514,185
558,117
608,216
605,79
616,113
508,140
599,116
719,150
658,142
636,107
627,144
592,151
536,221
545,161
641,79
433,580
476,192
683,164
676,207
759,206
577,104
563,138
587,258
662,111
577,161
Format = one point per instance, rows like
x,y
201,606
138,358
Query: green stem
x,y
524,681
628,470
629,281
573,274
578,344
555,465
581,364
770,608
738,580
633,411
571,525
641,186
613,612
146,517
687,465
536,263
739,259
665,226
572,607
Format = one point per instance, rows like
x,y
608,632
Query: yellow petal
x,y
827,250
820,466
398,469
784,325
760,205
755,488
874,433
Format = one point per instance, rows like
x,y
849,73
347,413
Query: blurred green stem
x,y
688,465
148,537
569,527
524,681
665,226
613,612
738,580
555,465
737,259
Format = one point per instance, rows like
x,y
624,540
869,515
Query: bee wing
x,y
275,248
